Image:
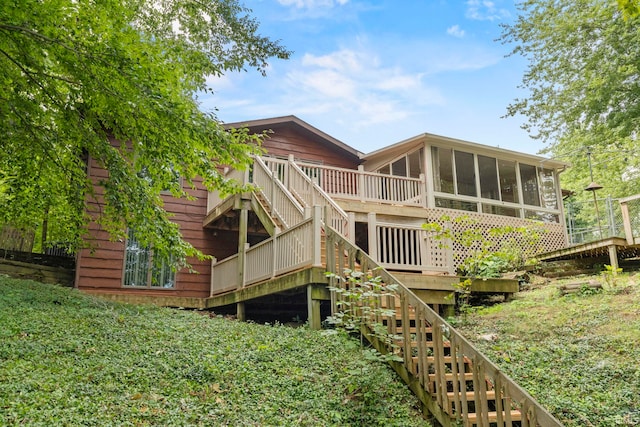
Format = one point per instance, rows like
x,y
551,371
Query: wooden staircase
x,y
456,383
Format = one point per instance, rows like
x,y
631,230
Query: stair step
x,y
468,376
493,417
470,395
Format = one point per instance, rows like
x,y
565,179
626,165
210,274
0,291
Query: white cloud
x,y
485,10
312,4
455,31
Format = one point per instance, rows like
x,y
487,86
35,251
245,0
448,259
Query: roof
x,y
433,139
275,122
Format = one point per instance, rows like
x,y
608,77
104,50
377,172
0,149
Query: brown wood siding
x,y
100,266
284,142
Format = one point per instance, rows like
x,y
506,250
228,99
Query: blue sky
x,y
372,73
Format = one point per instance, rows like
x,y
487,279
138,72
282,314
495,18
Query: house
x,y
377,201
318,206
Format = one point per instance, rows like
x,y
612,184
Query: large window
x,y
488,178
443,169
508,181
465,173
530,189
143,269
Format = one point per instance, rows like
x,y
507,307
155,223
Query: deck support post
x,y
313,310
241,314
613,257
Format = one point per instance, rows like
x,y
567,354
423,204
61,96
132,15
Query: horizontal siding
x,y
286,141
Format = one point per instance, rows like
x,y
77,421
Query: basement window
x,y
144,270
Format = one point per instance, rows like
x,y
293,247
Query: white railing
x,y
630,207
282,204
225,275
408,247
367,186
289,250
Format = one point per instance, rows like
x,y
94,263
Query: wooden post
x,y
613,257
352,227
317,235
373,236
214,261
242,240
361,184
241,315
626,220
423,190
313,310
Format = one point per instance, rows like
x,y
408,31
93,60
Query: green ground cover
x,y
71,359
578,354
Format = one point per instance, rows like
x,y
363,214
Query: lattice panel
x,y
552,238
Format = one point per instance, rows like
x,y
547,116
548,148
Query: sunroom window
x,y
143,269
530,189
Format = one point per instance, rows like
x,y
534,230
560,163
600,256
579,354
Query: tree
x,y
583,87
80,74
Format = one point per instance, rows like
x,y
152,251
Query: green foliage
x,y
582,87
576,356
70,359
358,298
81,75
629,8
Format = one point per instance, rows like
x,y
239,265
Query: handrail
x,y
312,195
282,203
467,364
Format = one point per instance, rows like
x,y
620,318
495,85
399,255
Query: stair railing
x,y
282,204
453,379
311,194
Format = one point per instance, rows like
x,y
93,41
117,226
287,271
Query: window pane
x,y
488,178
508,181
415,163
399,167
442,169
500,210
530,192
460,205
163,275
547,182
136,268
385,170
465,174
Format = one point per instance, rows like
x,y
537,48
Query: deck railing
x,y
630,207
291,249
407,247
457,382
367,186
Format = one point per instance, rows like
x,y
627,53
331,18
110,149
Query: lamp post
x,y
593,187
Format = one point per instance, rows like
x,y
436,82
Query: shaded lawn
x,y
71,359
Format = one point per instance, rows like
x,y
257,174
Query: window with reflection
x,y
443,169
465,173
488,178
508,181
529,180
547,183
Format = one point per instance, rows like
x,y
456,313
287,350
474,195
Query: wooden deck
x,y
616,248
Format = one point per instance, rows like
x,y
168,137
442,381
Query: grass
x,y
578,354
70,359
